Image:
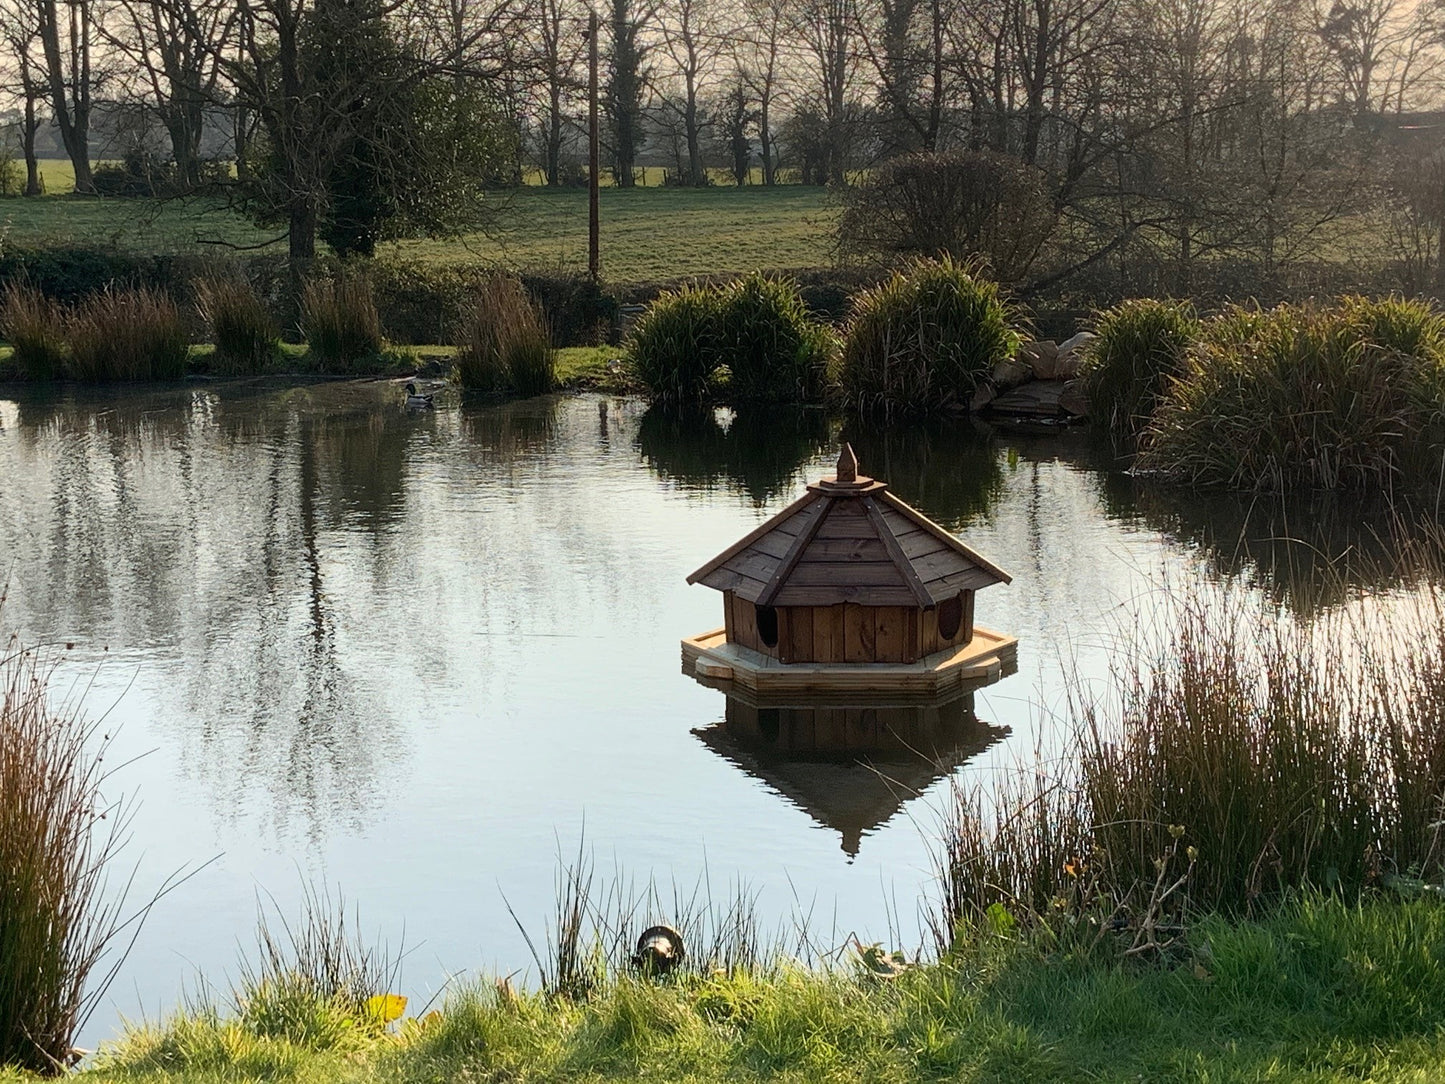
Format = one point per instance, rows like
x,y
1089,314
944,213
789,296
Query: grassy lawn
x,y
648,234
1320,992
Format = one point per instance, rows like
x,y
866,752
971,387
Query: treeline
x,y
1198,129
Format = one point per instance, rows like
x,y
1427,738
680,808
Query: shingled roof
x,y
848,540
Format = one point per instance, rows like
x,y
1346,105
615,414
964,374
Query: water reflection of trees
x,y
207,521
1307,552
849,767
757,451
951,468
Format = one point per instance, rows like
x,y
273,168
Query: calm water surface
x,y
414,656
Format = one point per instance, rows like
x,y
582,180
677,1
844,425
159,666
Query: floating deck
x,y
986,657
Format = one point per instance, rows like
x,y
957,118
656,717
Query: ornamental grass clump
x,y
676,345
1346,397
924,341
35,329
128,334
503,345
58,835
340,321
246,337
773,349
1140,347
750,340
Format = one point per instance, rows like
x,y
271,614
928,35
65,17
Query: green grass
x,y
648,234
1319,992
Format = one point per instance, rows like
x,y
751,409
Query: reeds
x,y
1350,396
57,838
923,341
1141,346
34,327
503,346
1238,752
340,321
246,337
127,334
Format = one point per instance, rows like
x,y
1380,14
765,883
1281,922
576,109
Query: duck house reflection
x,y
849,767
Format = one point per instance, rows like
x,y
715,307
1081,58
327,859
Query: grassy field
x,y
1320,992
648,234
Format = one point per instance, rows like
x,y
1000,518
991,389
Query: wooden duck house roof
x,y
848,540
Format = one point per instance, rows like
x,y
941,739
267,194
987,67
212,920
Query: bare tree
x,y
22,38
174,47
628,22
691,41
758,57
828,29
68,42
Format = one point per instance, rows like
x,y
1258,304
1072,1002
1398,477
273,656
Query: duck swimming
x,y
416,399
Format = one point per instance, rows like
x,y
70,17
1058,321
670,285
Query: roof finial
x,y
847,464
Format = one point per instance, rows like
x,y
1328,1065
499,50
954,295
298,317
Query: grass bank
x,y
1319,991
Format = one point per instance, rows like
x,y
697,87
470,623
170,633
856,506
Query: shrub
x,y
240,325
340,321
1349,397
503,345
961,204
33,326
676,344
128,335
924,340
1141,346
54,923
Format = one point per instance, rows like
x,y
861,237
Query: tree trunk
x,y
765,144
27,141
72,116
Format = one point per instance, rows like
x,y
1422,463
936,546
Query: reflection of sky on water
x,y
411,653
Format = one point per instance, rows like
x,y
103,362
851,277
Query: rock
x,y
1037,399
1011,373
1071,355
1042,357
982,397
1072,399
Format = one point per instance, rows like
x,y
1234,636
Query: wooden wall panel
x,y
967,616
828,633
859,634
795,634
890,641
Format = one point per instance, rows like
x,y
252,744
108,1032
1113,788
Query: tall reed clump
x,y
55,922
923,341
128,334
1141,345
246,337
503,345
340,321
35,329
1350,396
1239,756
756,330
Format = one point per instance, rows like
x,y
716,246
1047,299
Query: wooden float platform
x,y
986,658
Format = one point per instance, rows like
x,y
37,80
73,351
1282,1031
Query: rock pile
x,y
1041,381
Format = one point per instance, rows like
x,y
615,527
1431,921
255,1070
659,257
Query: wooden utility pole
x,y
594,164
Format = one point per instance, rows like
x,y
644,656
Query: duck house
x,y
849,589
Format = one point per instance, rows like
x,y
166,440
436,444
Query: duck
x,y
415,399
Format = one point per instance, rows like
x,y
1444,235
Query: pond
x,y
419,657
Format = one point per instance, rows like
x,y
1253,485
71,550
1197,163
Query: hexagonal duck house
x,y
849,589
